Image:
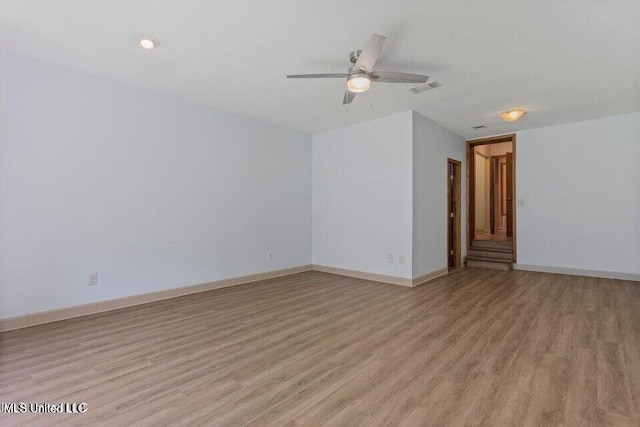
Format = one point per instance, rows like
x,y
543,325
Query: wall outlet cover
x,y
93,279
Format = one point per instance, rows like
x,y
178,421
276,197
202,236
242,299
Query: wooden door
x,y
454,259
450,214
509,194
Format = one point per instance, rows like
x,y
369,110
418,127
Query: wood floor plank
x,y
476,347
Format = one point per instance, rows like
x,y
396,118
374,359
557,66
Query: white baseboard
x,y
421,280
578,272
39,318
394,280
42,317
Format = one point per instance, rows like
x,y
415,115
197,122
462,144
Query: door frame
x,y
457,212
471,174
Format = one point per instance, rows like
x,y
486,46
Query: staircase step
x,y
491,265
488,253
492,244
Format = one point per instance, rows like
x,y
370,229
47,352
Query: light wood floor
x,y
477,347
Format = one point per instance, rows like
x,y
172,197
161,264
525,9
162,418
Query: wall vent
x,y
425,87
479,127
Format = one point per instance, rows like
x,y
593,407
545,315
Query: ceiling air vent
x,y
479,127
425,87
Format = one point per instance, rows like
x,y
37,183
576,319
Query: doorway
x,y
491,211
454,228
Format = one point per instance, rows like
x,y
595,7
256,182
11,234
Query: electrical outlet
x,y
93,279
269,255
390,258
401,259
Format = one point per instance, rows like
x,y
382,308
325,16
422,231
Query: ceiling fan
x,y
361,74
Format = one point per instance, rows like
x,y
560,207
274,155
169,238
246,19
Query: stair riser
x,y
489,265
490,254
492,244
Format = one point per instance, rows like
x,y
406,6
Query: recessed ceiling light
x,y
512,115
148,43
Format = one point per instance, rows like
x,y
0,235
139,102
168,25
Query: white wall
x,y
432,145
154,193
362,196
581,186
149,191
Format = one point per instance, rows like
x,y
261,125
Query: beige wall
x,y
482,179
482,192
498,149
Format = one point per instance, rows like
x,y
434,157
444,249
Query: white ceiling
x,y
562,60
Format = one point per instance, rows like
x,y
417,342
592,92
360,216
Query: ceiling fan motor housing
x,y
357,70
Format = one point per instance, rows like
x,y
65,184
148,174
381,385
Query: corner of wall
x,y
432,145
373,160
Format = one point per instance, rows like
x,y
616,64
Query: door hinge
x,y
450,177
451,215
451,253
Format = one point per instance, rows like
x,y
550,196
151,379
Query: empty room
x,y
296,213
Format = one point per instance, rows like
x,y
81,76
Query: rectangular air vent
x,y
479,127
425,87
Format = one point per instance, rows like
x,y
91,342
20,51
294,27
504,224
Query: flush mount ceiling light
x,y
512,115
148,42
358,82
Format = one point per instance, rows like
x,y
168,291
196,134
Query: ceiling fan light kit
x,y
358,82
360,76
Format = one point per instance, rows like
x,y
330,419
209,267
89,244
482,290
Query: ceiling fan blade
x,y
369,55
395,77
348,97
317,76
